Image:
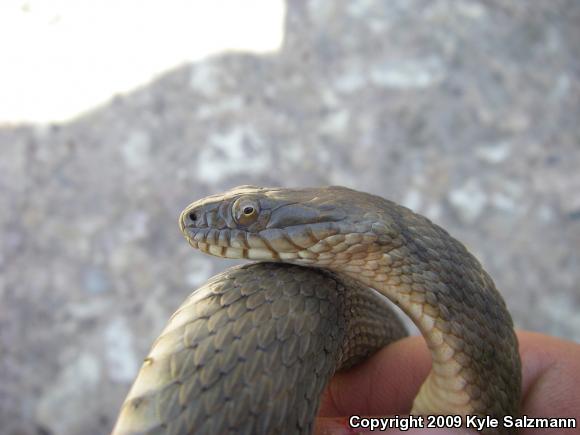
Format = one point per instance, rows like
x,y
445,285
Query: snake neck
x,y
463,319
444,390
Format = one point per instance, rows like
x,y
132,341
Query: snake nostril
x,y
192,216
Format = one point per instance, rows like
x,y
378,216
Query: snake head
x,y
303,226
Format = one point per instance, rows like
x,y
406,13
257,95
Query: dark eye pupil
x,y
248,210
193,216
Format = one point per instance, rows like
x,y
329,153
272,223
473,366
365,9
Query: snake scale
x,y
252,349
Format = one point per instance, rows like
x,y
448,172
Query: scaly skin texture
x,y
251,351
404,256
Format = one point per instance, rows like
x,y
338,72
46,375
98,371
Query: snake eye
x,y
245,211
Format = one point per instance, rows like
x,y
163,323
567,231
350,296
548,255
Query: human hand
x,y
387,383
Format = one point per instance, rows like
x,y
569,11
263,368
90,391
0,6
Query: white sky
x,y
59,58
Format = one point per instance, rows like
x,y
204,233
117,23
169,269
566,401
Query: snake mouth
x,y
306,244
222,243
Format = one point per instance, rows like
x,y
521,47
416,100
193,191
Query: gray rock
x,y
469,201
63,407
494,153
122,364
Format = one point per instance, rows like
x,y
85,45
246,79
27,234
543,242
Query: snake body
x,y
365,241
251,351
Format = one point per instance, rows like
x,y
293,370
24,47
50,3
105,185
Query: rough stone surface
x,y
467,111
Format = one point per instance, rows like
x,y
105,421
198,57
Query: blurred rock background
x,y
466,111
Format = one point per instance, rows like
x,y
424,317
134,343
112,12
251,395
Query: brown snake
x,y
251,350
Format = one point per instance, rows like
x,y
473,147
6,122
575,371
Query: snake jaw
x,y
307,246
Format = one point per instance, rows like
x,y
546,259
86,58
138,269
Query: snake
x,y
252,350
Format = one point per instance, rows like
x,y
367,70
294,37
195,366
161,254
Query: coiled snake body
x,y
251,350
